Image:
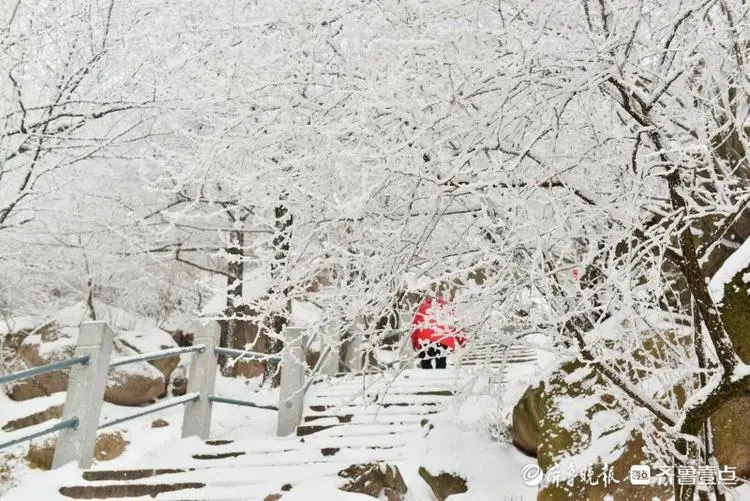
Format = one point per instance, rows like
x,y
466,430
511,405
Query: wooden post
x,y
202,380
291,394
85,395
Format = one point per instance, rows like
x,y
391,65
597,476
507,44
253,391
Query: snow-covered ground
x,y
462,434
228,422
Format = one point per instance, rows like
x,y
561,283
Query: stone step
x,y
358,430
236,452
498,348
326,419
387,400
509,353
484,361
396,389
500,356
305,453
197,483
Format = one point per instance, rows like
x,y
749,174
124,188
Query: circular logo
x,y
532,475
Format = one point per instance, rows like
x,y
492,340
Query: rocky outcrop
x,y
559,435
53,412
35,355
444,484
249,368
159,423
731,440
108,446
55,340
132,384
542,421
375,480
527,416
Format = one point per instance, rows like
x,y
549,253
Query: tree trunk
x,y
279,320
238,330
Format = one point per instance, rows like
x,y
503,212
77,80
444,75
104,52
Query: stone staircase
x,y
497,360
496,354
346,420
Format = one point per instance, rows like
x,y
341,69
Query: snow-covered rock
x,y
50,340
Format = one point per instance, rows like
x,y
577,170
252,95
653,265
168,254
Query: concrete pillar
x,y
331,343
291,395
85,395
405,350
202,380
353,355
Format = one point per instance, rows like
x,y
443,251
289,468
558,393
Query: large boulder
x,y
41,346
574,425
576,430
132,384
730,288
527,418
731,440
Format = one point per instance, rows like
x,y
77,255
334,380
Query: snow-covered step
x,y
196,484
390,399
426,389
358,430
370,410
496,362
401,418
501,355
321,453
341,426
234,452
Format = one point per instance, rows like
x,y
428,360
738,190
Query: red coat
x,y
429,326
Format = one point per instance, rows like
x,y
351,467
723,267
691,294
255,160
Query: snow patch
x,y
735,263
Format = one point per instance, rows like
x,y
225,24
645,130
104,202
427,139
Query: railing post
x,y
330,365
405,354
291,393
85,395
353,351
202,379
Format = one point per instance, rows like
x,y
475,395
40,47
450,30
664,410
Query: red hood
x,y
426,328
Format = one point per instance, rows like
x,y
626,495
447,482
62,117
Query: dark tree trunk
x,y
238,330
279,320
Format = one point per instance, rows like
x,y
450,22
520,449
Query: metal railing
x,y
147,357
82,409
91,362
243,354
60,425
244,403
71,422
43,369
172,402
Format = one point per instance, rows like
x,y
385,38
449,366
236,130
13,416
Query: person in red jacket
x,y
432,335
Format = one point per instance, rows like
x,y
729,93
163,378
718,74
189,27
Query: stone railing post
x,y
291,394
353,355
86,385
405,352
331,340
202,380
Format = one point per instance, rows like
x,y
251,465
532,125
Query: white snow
x,y
144,441
738,261
461,435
